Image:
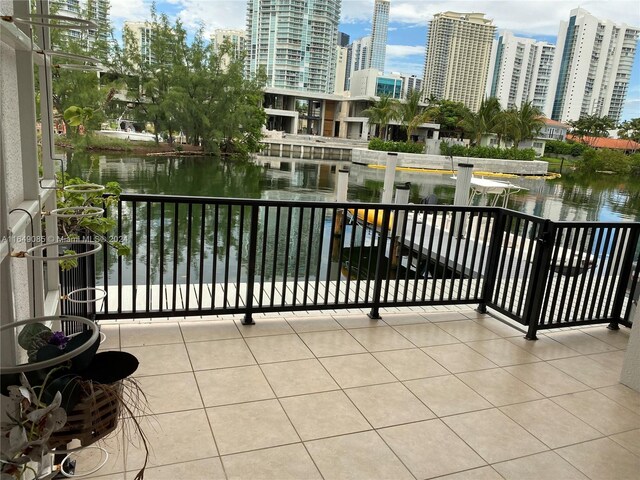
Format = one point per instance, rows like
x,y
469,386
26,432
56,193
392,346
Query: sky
x,y
408,22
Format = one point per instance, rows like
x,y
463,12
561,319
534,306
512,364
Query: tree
x,y
592,126
525,121
450,115
412,113
630,129
381,113
478,124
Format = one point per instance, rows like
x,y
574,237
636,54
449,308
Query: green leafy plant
x,y
404,147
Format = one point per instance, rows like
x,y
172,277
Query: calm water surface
x,y
573,197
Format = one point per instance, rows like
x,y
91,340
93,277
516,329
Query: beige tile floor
x,y
440,393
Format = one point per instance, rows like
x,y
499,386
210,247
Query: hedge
x,y
565,148
404,147
487,152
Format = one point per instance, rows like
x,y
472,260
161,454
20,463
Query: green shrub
x,y
487,152
607,161
403,147
565,148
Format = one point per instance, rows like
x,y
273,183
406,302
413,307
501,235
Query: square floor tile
x,y
588,371
426,335
541,466
290,462
545,348
404,318
458,358
599,411
380,339
233,385
388,404
499,328
173,438
615,338
209,468
624,395
546,379
447,395
325,344
140,334
482,473
551,424
430,448
111,337
249,426
161,359
314,324
499,387
602,459
219,354
278,348
358,321
629,440
89,458
171,393
356,370
207,330
468,331
298,377
264,326
613,360
445,316
410,364
502,352
494,435
357,456
581,342
323,415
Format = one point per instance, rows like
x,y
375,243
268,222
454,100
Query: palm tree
x,y
527,122
381,113
412,113
482,122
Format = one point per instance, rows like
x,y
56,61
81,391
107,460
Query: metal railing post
x,y
538,278
251,267
625,275
374,314
492,260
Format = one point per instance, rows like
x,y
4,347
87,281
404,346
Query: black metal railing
x,y
197,256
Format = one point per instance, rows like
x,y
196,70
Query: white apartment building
x,y
141,32
94,10
410,82
592,67
520,72
237,38
457,57
358,54
294,41
379,30
341,69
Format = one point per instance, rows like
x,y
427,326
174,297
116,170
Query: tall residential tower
x,y
592,67
520,71
457,57
294,41
380,27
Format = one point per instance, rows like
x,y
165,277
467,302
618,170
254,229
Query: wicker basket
x,y
94,416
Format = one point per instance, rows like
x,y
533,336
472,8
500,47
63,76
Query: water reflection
x,y
572,198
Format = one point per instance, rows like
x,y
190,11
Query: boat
x,y
126,130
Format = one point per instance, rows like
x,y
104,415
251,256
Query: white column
x,y
389,177
342,185
402,198
463,184
630,375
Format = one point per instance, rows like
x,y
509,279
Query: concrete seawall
x,y
440,162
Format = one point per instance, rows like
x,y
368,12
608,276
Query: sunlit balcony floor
x,y
429,392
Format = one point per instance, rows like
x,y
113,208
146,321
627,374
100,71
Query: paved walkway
x,y
421,394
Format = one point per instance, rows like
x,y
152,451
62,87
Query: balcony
x,y
422,393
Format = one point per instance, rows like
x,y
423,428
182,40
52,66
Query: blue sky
x,y
538,19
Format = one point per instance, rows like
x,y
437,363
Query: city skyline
x,y
539,20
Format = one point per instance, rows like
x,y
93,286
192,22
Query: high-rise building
x,y
410,83
94,10
343,39
379,30
520,72
358,54
237,39
457,57
592,67
341,69
141,35
294,41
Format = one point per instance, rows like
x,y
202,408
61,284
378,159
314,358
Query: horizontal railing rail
x,y
201,256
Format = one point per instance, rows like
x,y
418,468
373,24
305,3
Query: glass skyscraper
x,y
379,34
294,41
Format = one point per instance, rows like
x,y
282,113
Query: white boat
x,y
126,131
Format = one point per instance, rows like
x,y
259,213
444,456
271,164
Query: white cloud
x,y
400,51
132,10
